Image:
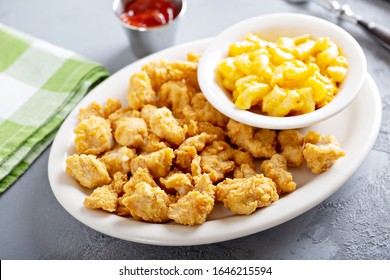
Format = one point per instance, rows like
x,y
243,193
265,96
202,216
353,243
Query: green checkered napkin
x,y
39,85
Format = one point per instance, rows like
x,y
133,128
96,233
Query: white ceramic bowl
x,y
271,27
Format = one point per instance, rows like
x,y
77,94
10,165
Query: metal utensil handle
x,y
380,33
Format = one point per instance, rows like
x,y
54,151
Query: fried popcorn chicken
x,y
93,136
165,126
118,159
202,111
321,152
93,109
147,203
198,141
125,112
154,144
244,171
276,169
158,163
140,175
111,106
184,157
161,71
175,95
209,128
260,143
191,209
203,184
196,168
291,145
103,197
118,182
87,170
140,91
147,111
178,181
131,132
244,196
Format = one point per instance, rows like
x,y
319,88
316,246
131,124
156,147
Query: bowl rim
x,y
215,52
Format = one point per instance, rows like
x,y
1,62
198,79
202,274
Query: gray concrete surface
x,y
354,223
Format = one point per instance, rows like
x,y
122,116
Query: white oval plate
x,y
356,128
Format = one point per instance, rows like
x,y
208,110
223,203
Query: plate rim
x,y
192,238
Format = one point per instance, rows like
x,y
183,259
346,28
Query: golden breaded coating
x,y
87,170
154,144
276,169
165,126
291,146
216,160
244,196
321,152
241,157
203,184
191,209
209,128
140,91
158,163
244,171
118,159
161,71
147,203
131,132
178,181
140,175
93,136
111,106
175,95
260,143
202,111
122,113
118,181
103,197
196,168
146,112
93,109
198,141
184,157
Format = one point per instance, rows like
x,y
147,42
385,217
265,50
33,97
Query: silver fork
x,y
380,33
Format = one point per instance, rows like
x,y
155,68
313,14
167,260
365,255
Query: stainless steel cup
x,y
144,41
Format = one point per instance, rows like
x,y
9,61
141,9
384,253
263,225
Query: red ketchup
x,y
149,13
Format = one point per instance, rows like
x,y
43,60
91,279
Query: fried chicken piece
x,y
140,91
111,106
93,109
198,141
191,209
140,175
244,196
216,160
147,203
184,157
154,144
87,170
118,159
209,128
93,136
260,143
291,145
241,157
202,111
203,184
119,180
122,113
321,152
178,181
175,95
131,132
276,169
146,112
196,168
244,171
158,163
103,197
165,126
161,71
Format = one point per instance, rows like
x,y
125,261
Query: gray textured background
x,y
354,223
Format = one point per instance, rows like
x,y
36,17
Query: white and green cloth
x,y
39,85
